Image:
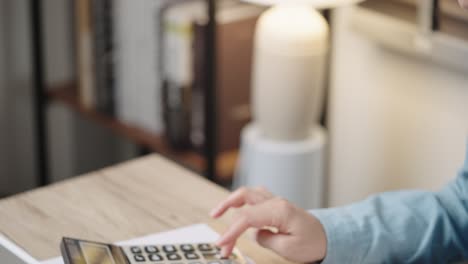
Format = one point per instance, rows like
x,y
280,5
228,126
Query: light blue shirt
x,y
401,227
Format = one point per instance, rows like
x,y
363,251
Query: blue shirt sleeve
x,y
401,227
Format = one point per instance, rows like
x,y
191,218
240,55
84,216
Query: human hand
x,y
282,227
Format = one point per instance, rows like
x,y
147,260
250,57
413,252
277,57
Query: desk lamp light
x,y
283,148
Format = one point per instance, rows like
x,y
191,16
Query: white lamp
x,y
283,148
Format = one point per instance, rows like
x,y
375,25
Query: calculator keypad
x,y
179,254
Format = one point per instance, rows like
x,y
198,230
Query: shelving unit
x,y
217,167
67,95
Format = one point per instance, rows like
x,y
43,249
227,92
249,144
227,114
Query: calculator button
x,y
191,256
135,250
215,262
205,247
169,249
139,258
155,257
186,248
151,249
173,256
211,256
217,256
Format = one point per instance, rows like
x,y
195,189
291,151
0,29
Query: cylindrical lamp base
x,y
294,170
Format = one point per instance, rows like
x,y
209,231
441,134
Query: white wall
x,y
396,122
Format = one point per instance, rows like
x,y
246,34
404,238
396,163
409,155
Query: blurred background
x,y
122,79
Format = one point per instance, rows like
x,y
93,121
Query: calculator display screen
x,y
77,251
96,253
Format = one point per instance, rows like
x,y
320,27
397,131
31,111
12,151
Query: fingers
x,y
289,231
227,250
271,213
234,232
239,198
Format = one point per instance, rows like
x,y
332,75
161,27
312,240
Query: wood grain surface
x,y
133,199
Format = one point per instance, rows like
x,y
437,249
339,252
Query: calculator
x,y
76,251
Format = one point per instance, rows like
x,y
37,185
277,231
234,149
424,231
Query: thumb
x,y
272,213
274,241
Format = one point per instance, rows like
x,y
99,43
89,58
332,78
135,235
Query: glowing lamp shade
x,y
291,47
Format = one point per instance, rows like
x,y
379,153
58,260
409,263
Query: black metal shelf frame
x,y
39,97
210,100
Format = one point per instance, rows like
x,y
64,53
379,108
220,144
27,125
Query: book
x,y
84,55
177,68
138,87
102,15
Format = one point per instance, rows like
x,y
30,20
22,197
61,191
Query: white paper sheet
x,y
191,234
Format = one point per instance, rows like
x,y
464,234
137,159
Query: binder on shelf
x,y
84,46
138,87
102,14
95,54
177,68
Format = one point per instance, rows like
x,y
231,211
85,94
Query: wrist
x,y
320,240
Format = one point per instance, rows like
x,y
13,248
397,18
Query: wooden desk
x,y
137,198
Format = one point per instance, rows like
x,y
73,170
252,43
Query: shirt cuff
x,y
345,242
